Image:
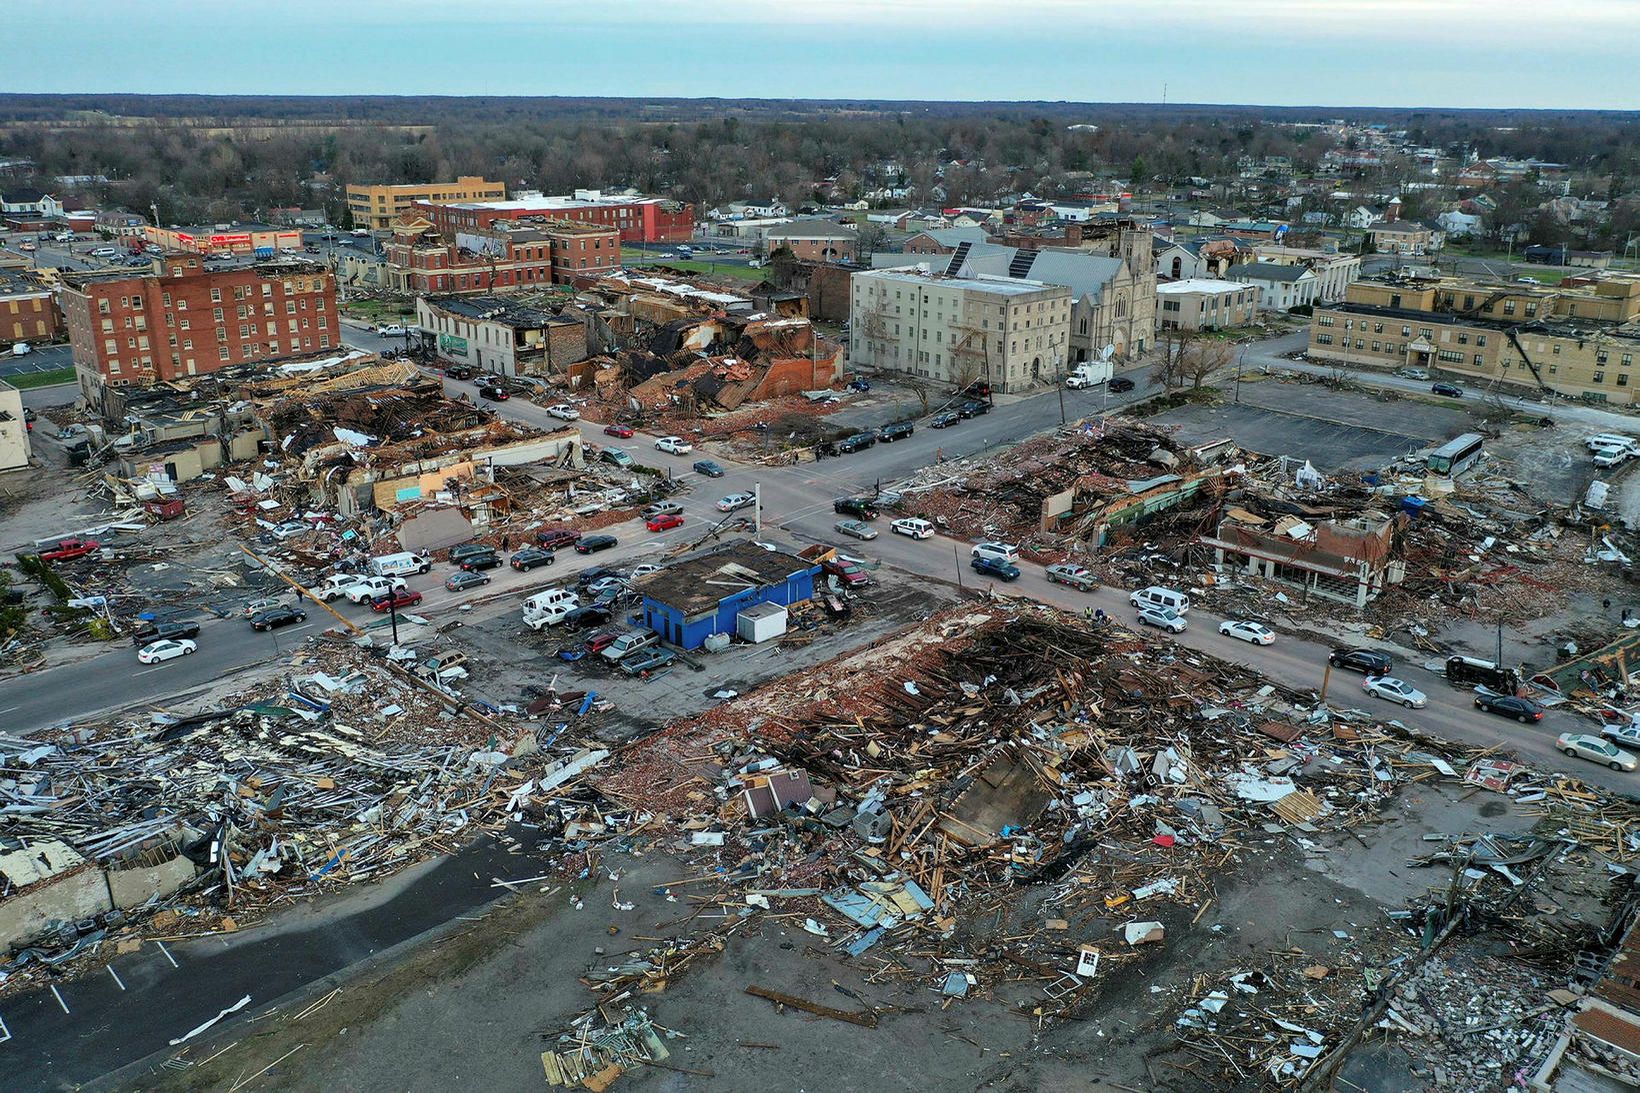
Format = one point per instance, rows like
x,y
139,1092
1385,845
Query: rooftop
x,y
1000,286
496,309
699,583
1199,284
548,202
1269,271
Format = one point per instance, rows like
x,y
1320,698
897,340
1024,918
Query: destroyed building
x,y
502,336
1351,560
710,593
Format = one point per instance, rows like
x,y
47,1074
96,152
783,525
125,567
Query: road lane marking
x,y
59,998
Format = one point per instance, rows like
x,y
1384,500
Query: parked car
x,y
615,456
622,431
1251,632
261,604
1164,618
161,651
977,389
490,559
1413,373
461,371
944,419
708,468
392,330
1626,733
530,557
554,537
1523,710
611,581
592,614
736,501
858,442
461,553
661,508
366,589
563,411
1391,689
1004,552
644,570
857,528
404,597
600,641
592,544
645,661
888,434
995,567
676,445
912,527
66,549
1450,390
857,507
460,582
973,408
846,571
1077,576
1119,384
572,653
664,522
275,617
164,631
629,642
596,573
858,384
1370,661
1595,750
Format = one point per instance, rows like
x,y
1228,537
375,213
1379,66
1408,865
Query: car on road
x,y
629,642
592,544
461,553
1119,385
366,589
1077,576
857,528
1164,618
708,468
460,582
161,651
1450,390
1595,750
530,557
27,247
846,571
1000,568
104,252
1369,661
855,443
21,349
888,434
164,631
1523,710
461,371
974,408
735,501
1005,552
275,617
65,549
676,445
858,507
664,522
615,456
661,508
912,527
260,604
944,419
645,661
1391,689
392,330
1626,733
489,559
494,393
563,411
1413,373
553,537
404,597
616,429
1251,632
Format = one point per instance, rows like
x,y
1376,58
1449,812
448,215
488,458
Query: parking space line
x,y
5,1033
59,998
116,975
167,953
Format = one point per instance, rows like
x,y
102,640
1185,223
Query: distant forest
x,y
216,158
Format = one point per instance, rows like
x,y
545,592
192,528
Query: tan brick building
x,y
1580,338
377,207
27,312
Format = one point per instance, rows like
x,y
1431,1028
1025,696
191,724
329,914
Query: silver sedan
x,y
856,528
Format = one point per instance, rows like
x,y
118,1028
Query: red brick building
x,y
638,219
27,312
138,329
813,241
507,257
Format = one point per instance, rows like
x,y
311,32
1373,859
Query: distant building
x,y
813,241
138,329
292,216
1177,261
121,224
377,207
262,240
639,219
1205,304
942,240
1352,560
28,311
498,335
1334,271
508,256
1404,237
1280,287
30,203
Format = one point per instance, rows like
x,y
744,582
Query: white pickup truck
x,y
368,588
549,608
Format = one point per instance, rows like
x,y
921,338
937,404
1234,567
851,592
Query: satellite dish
x,y
1107,353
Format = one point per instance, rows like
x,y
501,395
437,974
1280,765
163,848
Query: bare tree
x,y
1201,360
1171,348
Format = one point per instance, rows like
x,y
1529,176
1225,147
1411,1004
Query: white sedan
x,y
674,444
161,651
736,501
563,411
1252,632
1394,690
1595,750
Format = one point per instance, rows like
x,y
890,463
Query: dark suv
x,y
1366,661
553,538
973,408
855,443
897,431
857,507
164,631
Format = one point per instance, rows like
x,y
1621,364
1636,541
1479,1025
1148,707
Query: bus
x,y
1456,456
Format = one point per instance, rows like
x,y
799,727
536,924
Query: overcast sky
x,y
1508,53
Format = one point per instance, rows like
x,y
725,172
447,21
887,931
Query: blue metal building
x,y
696,597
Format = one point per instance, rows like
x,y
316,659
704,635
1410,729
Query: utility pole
x,y
757,508
1326,678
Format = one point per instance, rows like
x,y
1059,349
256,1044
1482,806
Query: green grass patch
x,y
50,378
711,269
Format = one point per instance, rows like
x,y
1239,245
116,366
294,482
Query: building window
x,y
1509,307
1557,350
1479,360
1600,377
1480,339
222,353
1622,379
1531,309
1323,339
216,296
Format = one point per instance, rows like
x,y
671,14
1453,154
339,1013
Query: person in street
x,y
504,541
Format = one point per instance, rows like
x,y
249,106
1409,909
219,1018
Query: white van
x,y
1000,552
1158,597
1608,440
548,608
1610,457
397,565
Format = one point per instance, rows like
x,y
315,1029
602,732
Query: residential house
x,y
30,203
1213,218
814,240
1281,287
1177,261
1404,237
1205,304
1459,225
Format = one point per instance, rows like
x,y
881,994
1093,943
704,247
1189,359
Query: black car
x,y
944,419
708,468
459,554
530,557
593,614
592,544
1450,390
1521,709
977,389
888,434
973,408
1366,661
474,562
857,507
494,394
461,372
856,442
275,617
1120,383
164,631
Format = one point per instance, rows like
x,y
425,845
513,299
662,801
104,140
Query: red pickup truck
x,y
70,548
